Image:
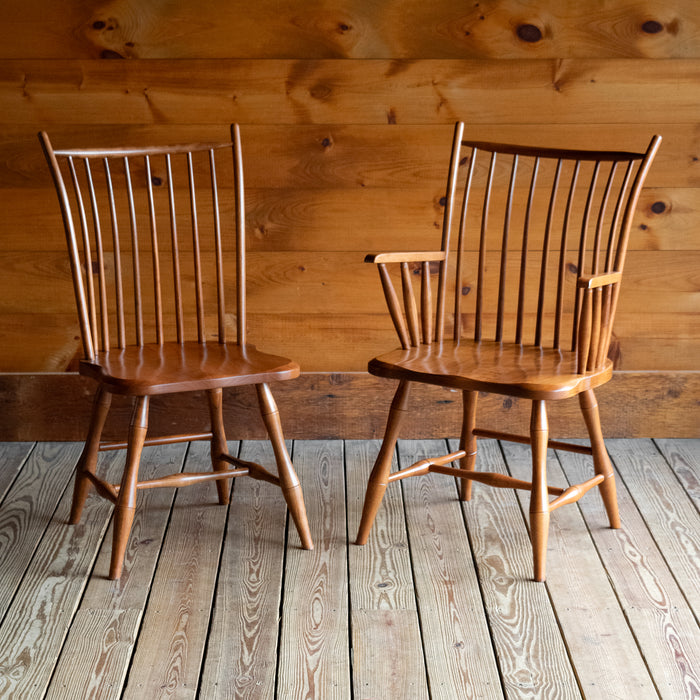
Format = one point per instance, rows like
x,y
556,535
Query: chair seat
x,y
190,366
500,368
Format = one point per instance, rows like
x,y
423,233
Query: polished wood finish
x,y
140,343
531,320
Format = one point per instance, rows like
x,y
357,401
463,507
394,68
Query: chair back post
x,y
240,235
633,199
621,248
72,243
446,231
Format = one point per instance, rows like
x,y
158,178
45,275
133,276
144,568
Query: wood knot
x,y
529,33
652,27
157,181
658,207
320,92
108,53
327,142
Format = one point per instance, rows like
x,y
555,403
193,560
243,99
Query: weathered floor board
x,y
222,602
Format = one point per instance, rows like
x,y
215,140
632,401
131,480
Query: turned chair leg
x,y
539,498
126,501
218,442
87,464
601,460
379,478
289,481
467,442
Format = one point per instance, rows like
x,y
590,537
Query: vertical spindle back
x,y
152,234
525,226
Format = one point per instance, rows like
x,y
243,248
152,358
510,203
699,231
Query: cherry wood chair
x,y
534,276
150,232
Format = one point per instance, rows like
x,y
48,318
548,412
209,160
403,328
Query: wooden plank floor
x,y
221,602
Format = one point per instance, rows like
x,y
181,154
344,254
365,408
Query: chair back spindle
x,y
150,288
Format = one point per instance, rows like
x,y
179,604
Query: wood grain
x,y
145,544
656,609
520,614
329,282
384,619
286,219
347,111
684,458
670,515
100,616
314,657
104,631
659,341
349,405
11,461
458,653
241,655
310,156
173,634
28,511
583,599
36,623
575,91
395,29
100,644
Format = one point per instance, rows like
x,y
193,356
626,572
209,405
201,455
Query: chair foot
x,y
123,519
218,443
601,460
126,502
468,442
295,503
289,481
539,497
379,478
373,499
539,534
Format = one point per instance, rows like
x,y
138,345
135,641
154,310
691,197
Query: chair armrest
x,y
595,319
409,326
411,256
594,281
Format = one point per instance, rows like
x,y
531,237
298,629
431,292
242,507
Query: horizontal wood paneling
x,y
327,29
570,91
326,342
347,113
359,219
356,156
339,282
353,405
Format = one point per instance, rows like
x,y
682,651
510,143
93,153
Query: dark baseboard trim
x,y
353,405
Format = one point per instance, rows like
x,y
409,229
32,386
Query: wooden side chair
x,y
533,270
150,232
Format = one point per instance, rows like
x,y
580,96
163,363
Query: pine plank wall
x,y
346,111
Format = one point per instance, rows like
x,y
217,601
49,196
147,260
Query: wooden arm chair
x,y
149,233
534,277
